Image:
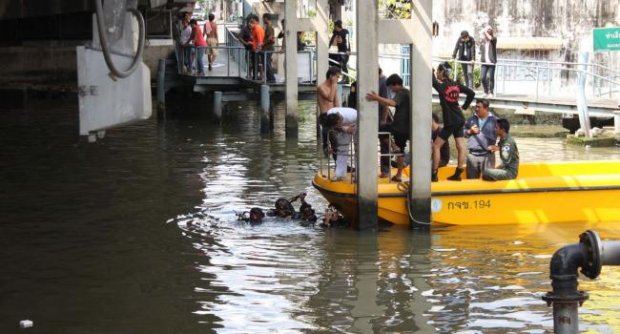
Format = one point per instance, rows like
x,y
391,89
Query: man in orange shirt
x,y
258,36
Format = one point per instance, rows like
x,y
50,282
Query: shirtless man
x,y
327,99
210,33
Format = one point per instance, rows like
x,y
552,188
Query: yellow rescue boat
x,y
546,192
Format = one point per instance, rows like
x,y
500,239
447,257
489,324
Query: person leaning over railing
x,y
344,122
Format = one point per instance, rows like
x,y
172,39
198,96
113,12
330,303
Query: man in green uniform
x,y
508,153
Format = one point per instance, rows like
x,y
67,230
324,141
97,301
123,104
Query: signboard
x,y
606,39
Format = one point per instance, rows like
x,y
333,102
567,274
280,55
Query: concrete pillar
x,y
290,15
320,25
217,104
367,81
416,32
264,106
293,25
421,110
617,122
582,104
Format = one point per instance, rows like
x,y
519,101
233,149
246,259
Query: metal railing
x,y
328,159
536,77
241,62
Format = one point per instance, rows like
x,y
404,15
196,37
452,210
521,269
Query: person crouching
x,y
343,122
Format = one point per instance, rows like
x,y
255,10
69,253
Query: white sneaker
x,y
485,95
490,96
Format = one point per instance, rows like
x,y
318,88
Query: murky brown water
x,y
138,234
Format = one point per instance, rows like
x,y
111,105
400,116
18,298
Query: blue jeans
x,y
200,53
487,76
468,74
269,69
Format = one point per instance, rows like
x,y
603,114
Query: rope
x,y
404,186
103,37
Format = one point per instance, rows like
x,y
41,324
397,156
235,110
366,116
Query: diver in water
x,y
283,208
333,218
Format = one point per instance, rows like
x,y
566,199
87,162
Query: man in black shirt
x,y
453,118
341,38
466,49
399,128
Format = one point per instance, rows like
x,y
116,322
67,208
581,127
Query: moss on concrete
x,y
605,140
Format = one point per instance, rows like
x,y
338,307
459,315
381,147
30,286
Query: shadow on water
x,y
139,233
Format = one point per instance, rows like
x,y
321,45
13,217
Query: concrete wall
x,y
570,20
57,64
38,64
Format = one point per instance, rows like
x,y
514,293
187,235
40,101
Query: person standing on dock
x,y
465,48
199,44
508,153
340,38
453,119
480,131
269,47
488,57
327,98
210,31
258,37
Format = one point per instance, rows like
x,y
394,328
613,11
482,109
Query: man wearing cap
x,y
465,48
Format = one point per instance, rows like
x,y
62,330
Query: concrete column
x,y
264,106
290,15
322,36
421,109
217,104
582,104
367,81
417,33
617,122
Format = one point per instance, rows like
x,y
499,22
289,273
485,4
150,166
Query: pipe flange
x,y
577,297
592,243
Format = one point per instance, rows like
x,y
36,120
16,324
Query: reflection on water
x,y
138,233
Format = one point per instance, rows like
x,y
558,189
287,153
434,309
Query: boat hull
x,y
588,192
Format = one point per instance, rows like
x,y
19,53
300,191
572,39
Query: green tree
x,y
396,9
